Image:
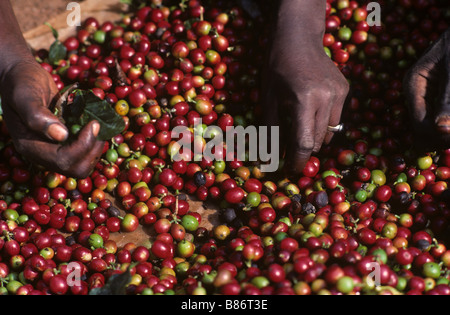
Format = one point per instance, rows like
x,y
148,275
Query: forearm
x,y
13,47
300,25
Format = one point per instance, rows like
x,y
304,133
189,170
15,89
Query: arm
x,y
303,80
27,91
15,53
13,46
300,24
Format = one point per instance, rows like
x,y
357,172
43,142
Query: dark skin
x,y
300,79
427,87
28,92
306,85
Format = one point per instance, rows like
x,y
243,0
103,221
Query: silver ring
x,y
336,129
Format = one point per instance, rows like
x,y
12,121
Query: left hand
x,y
427,89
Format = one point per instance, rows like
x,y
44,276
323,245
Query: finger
x,y
75,160
271,116
39,119
322,122
421,91
80,157
443,115
88,163
335,117
33,110
334,121
270,105
304,142
271,112
420,85
30,101
47,155
31,146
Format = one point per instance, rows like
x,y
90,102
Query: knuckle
x,y
341,88
316,94
344,88
328,92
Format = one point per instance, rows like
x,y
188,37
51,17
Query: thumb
x,y
422,87
41,120
28,93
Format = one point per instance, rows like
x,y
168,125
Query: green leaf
x,y
74,111
54,31
87,107
189,23
57,52
116,285
136,4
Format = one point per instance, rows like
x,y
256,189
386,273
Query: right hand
x,y
427,88
310,89
27,91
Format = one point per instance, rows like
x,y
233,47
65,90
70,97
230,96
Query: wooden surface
x,y
102,10
111,10
144,235
33,13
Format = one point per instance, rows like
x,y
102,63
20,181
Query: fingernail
x,y
58,132
96,128
443,125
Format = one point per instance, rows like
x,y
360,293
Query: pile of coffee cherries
x,y
368,215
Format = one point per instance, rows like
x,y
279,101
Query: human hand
x,y
310,89
301,82
427,89
27,92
